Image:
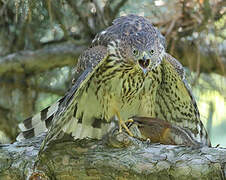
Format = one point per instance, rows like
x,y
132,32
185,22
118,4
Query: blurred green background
x,y
40,42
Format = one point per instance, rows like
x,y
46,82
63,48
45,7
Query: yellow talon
x,y
121,124
129,121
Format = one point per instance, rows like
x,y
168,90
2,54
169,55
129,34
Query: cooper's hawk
x,y
125,73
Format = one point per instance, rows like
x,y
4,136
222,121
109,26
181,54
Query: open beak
x,y
144,63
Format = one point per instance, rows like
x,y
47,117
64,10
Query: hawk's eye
x,y
152,52
135,52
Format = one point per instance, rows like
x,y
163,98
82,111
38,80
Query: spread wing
x,y
175,102
88,62
69,117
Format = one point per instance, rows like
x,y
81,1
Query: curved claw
x,y
123,124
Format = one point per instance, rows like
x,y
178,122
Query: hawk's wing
x,y
66,118
175,102
89,61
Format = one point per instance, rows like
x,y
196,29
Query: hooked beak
x,y
144,63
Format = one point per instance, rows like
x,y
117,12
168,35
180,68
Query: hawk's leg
x,y
122,123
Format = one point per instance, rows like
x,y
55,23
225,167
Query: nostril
x,y
144,63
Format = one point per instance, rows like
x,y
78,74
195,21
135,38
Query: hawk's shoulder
x,y
176,64
91,57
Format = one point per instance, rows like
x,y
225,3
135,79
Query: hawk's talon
x,y
121,124
129,121
127,129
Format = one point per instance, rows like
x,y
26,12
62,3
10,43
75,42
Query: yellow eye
x,y
152,51
135,52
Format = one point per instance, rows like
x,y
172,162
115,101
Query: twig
x,y
100,14
172,24
84,21
197,67
117,8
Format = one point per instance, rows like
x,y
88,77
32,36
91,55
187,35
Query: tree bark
x,y
91,159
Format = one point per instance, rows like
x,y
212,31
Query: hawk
x,y
125,73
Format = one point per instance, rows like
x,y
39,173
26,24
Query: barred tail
x,y
39,123
78,129
77,122
96,130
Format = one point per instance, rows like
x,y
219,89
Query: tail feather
x,y
82,131
42,121
39,123
39,118
79,130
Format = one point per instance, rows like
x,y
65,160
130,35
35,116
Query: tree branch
x,y
84,159
38,88
40,60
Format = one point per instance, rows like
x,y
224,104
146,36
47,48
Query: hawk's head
x,y
143,50
147,49
140,42
147,56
